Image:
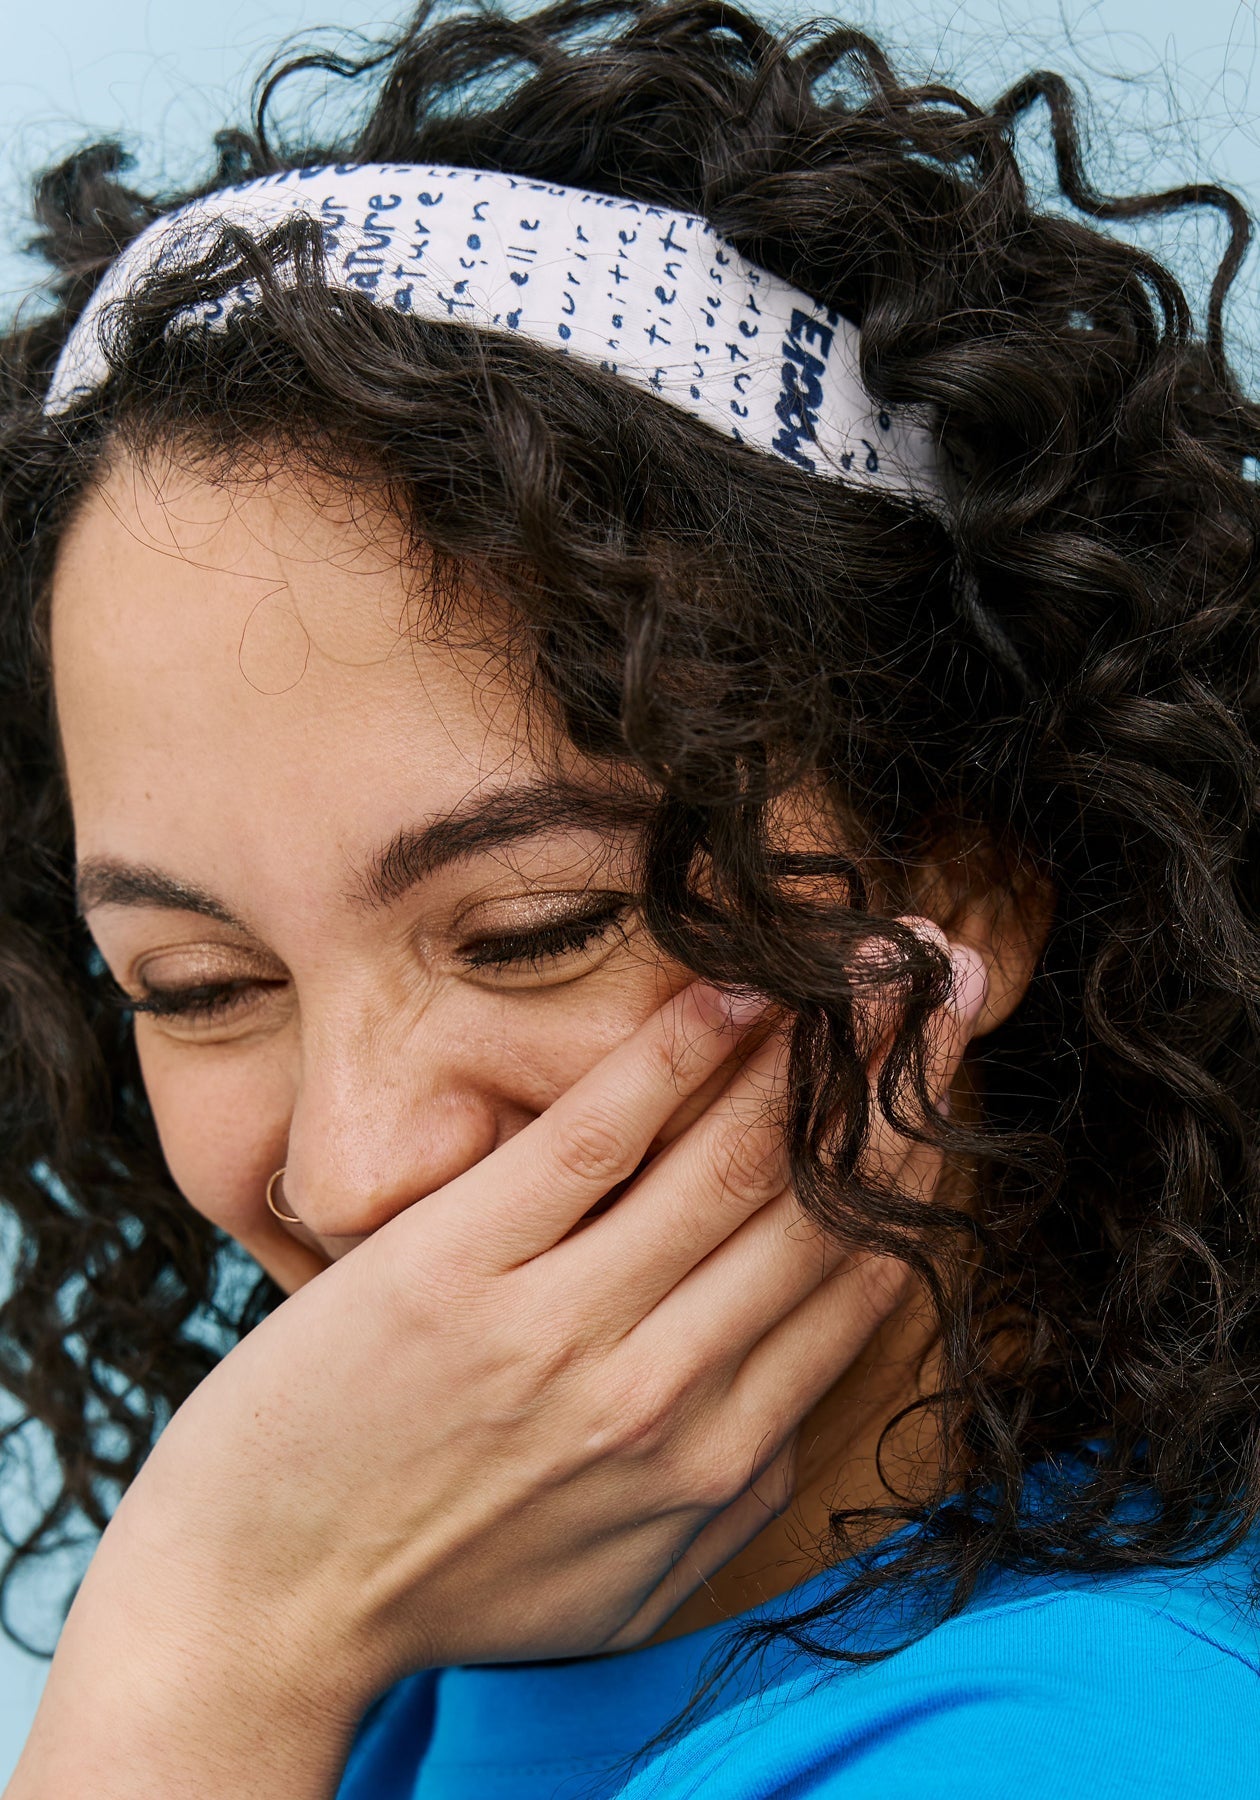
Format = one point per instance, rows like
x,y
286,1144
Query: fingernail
x,y
731,1008
971,981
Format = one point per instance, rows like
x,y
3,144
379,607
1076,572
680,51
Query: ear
x,y
1004,914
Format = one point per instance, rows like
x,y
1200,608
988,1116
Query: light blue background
x,y
1173,90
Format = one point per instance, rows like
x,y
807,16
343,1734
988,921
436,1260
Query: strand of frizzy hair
x,y
1063,679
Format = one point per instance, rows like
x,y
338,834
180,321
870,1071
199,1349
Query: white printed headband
x,y
653,296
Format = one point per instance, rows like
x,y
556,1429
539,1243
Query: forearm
x,y
102,1734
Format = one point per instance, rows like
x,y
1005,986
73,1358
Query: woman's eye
x,y
537,949
203,1003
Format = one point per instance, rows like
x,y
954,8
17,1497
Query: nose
x,y
381,1118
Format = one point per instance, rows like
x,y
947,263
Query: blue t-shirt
x,y
1047,1687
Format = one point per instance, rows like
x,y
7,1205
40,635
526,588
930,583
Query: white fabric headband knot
x,y
653,296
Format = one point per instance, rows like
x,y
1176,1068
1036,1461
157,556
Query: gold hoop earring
x,y
289,1218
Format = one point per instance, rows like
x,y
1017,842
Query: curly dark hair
x,y
1062,679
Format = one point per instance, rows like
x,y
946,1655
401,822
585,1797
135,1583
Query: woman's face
x,y
375,927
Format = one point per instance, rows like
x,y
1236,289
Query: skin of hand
x,y
595,1420
379,1477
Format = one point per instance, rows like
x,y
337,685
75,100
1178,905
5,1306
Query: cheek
x,y
545,1044
222,1117
223,1112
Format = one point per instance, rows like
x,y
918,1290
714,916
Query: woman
x,y
630,742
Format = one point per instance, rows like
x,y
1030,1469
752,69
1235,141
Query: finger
x,y
951,1025
881,989
726,1305
891,1155
767,1267
763,1274
525,1196
698,1103
703,1188
691,1198
802,1357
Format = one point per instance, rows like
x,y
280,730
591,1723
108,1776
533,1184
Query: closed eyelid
x,y
532,907
525,919
590,908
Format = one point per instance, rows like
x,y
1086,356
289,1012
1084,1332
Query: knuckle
x,y
639,1419
644,1426
421,1287
554,1353
590,1148
669,1419
749,1163
662,1054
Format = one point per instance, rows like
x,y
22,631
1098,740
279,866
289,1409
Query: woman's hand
x,y
497,1429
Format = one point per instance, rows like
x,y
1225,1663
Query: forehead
x,y
258,650
269,578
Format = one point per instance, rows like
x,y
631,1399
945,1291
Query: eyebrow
x,y
505,817
493,821
101,881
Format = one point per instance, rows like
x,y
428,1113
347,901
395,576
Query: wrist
x,y
165,1682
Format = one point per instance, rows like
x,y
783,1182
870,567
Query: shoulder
x,y
1151,1612
1109,1687
1101,1690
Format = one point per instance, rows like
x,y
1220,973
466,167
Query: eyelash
x,y
531,950
209,1000
534,949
